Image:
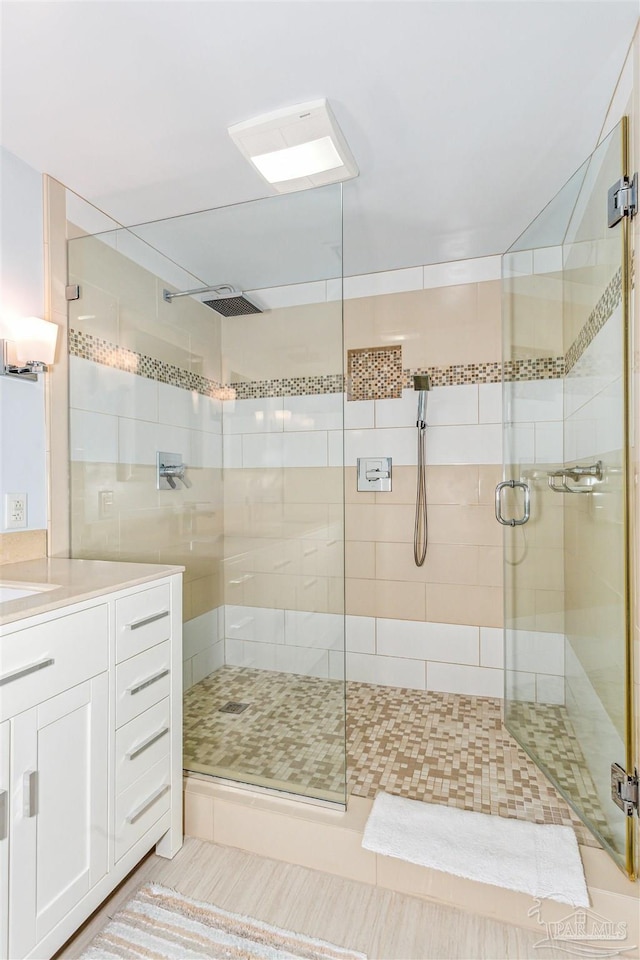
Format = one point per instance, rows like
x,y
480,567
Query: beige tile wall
x,y
154,526
436,327
283,539
283,527
533,311
122,302
300,341
461,579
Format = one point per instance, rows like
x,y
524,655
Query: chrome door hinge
x,y
72,291
624,789
622,199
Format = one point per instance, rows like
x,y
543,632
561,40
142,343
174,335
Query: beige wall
x,y
122,302
283,538
299,341
461,579
275,518
439,326
142,524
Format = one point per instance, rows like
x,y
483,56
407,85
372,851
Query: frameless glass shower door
x,y
207,398
568,678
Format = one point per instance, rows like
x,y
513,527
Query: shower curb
x,y
330,840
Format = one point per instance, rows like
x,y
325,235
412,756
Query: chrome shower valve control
x,y
170,470
378,474
374,474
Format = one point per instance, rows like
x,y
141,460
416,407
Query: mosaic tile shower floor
x,y
441,748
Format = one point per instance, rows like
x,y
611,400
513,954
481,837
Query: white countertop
x,y
72,581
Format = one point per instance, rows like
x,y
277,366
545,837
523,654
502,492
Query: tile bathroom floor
x,y
437,747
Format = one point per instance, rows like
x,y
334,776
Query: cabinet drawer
x,y
140,805
37,663
142,620
142,681
142,743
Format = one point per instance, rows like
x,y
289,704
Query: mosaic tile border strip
x,y
540,368
603,309
286,387
88,347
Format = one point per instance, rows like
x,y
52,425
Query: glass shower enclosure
x,y
209,433
565,493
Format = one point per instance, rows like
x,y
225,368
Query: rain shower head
x,y
227,301
233,304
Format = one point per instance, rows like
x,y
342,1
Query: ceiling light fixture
x,y
297,147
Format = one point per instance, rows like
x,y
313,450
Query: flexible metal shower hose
x,y
421,527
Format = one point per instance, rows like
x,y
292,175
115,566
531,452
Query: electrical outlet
x,y
15,511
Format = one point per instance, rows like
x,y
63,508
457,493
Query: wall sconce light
x,y
31,349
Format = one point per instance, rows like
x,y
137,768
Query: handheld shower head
x,y
422,383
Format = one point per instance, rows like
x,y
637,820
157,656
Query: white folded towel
x,y
536,858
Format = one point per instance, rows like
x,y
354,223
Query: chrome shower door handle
x,y
527,502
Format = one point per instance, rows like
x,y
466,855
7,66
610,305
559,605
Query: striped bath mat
x,y
161,923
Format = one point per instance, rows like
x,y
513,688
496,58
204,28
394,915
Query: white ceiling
x,y
464,117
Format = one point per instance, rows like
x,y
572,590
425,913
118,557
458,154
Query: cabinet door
x,y
4,839
59,827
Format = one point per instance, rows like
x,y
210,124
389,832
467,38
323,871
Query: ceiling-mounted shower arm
x,y
168,295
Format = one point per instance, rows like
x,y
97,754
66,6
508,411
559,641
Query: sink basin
x,y
17,591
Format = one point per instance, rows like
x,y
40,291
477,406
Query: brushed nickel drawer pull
x,y
4,814
147,683
138,812
136,624
30,793
147,743
25,671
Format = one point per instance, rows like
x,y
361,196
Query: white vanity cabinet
x,y
59,779
90,757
